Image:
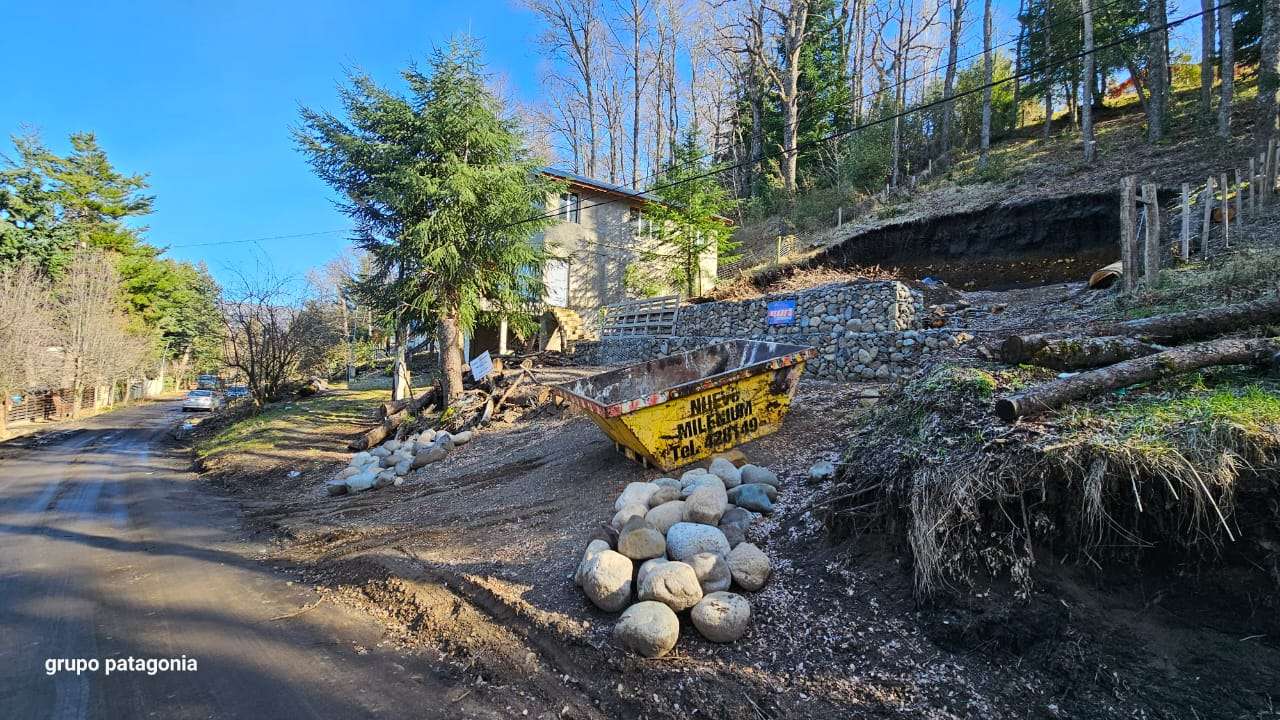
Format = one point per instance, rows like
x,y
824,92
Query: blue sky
x,y
202,97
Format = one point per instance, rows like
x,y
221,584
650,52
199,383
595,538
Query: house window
x,y
570,207
641,225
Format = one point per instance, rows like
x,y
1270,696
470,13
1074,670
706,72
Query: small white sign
x,y
481,366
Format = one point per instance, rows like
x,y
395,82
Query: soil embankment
x,y
996,247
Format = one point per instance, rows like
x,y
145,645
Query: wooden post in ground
x,y
1184,247
1129,232
1226,211
1207,202
1264,169
1151,254
1239,198
1269,178
1253,185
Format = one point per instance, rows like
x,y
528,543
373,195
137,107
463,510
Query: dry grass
x,y
744,287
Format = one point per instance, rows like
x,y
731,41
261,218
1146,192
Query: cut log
x,y
1144,369
376,434
1171,328
425,395
1090,352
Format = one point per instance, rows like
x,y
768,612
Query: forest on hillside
x,y
789,96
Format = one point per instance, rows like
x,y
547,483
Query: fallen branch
x,y
1168,329
1144,369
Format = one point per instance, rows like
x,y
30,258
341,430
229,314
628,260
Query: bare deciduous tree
x,y
792,28
949,76
987,68
271,338
1086,104
25,333
1227,50
1208,33
92,330
573,33
1269,72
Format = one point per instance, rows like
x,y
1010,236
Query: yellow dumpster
x,y
683,408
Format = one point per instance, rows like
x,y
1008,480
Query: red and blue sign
x,y
782,312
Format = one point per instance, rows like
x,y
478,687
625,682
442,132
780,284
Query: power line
x,y
258,239
889,118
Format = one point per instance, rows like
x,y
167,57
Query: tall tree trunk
x,y
450,358
1016,120
987,74
1208,31
346,334
1157,69
1269,73
637,17
180,369
949,77
795,29
1086,106
1048,82
1227,43
900,91
859,60
400,380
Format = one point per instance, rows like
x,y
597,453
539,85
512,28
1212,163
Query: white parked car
x,y
200,400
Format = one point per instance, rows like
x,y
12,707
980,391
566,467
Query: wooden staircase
x,y
566,330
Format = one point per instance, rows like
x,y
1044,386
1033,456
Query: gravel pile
x,y
678,546
390,462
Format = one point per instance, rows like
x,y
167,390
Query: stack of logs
x,y
480,402
1135,351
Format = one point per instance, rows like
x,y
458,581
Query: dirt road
x,y
109,550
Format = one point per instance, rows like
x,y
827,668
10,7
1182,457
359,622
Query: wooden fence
x,y
48,405
651,316
784,246
1225,199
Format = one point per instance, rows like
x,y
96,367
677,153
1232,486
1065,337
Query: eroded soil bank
x,y
997,247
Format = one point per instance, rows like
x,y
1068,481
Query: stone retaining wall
x,y
862,331
880,306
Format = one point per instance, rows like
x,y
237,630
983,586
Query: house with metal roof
x,y
601,230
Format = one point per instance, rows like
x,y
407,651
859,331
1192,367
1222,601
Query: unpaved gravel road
x,y
110,549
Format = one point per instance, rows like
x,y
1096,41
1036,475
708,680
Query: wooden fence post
x,y
1253,185
1129,232
1269,171
1208,218
1151,256
1239,198
1263,169
1226,211
1184,247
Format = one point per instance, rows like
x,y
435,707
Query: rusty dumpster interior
x,y
684,369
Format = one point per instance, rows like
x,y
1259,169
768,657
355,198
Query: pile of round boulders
x,y
388,463
680,545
